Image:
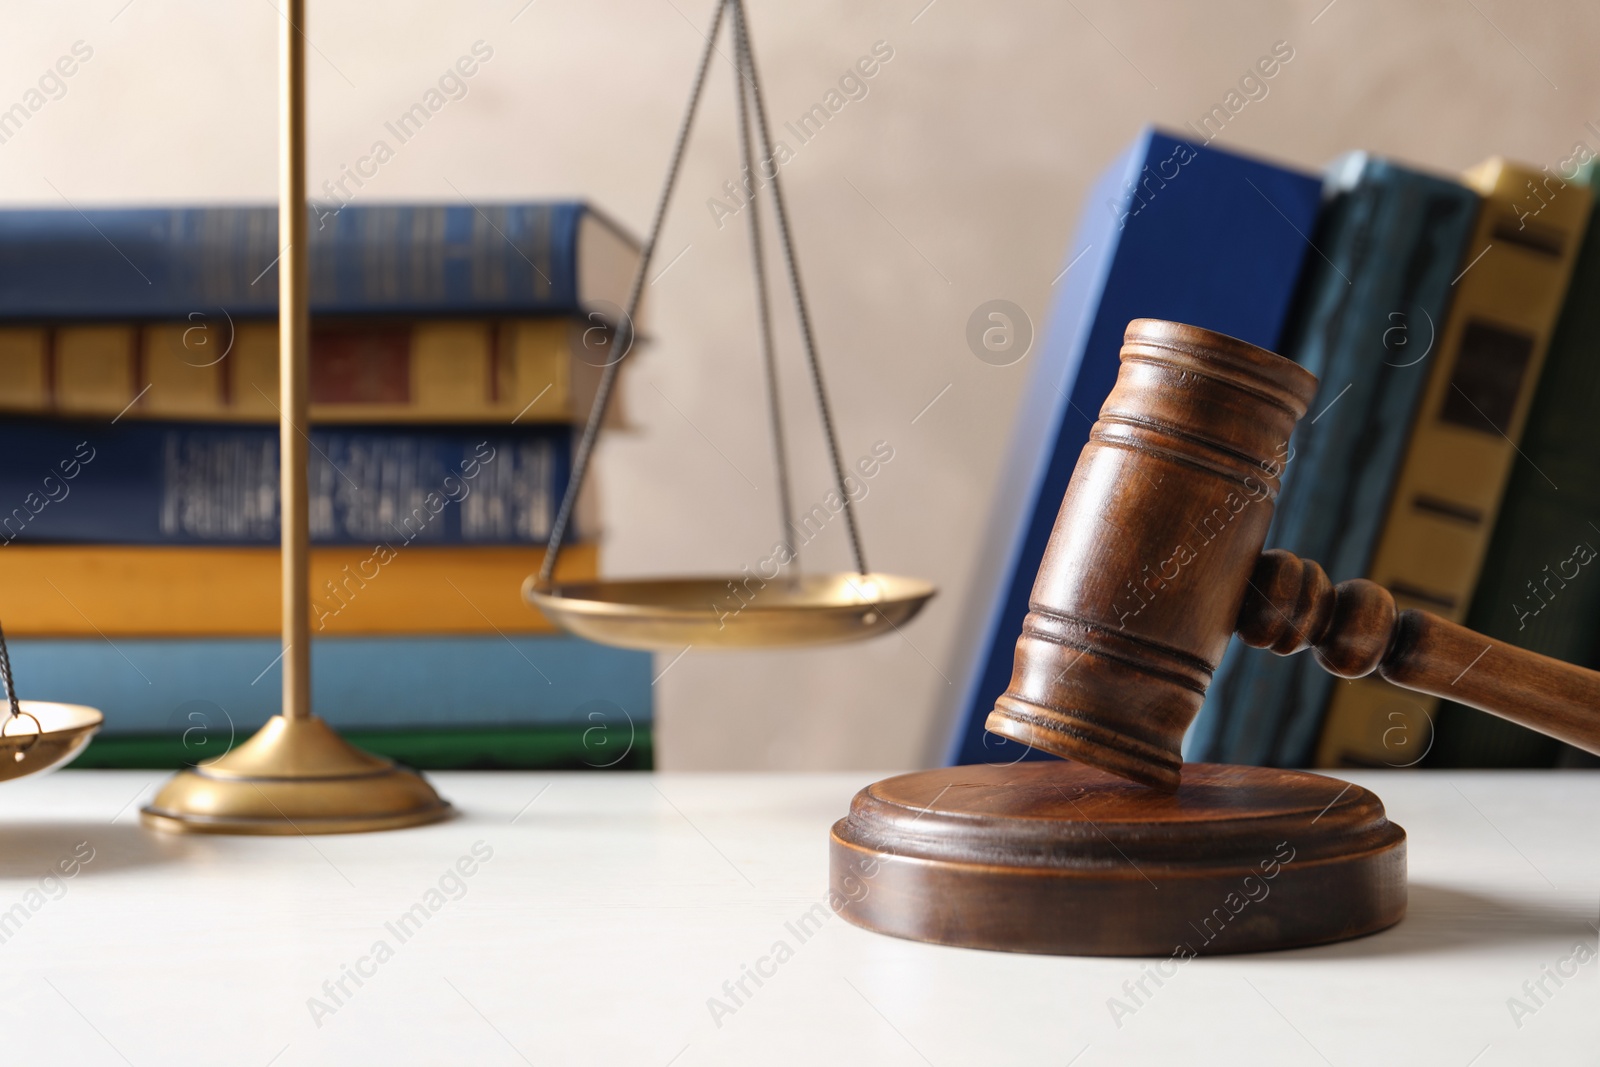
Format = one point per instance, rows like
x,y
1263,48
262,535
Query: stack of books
x,y
453,351
1454,322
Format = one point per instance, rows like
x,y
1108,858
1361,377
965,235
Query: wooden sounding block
x,y
1154,562
1061,857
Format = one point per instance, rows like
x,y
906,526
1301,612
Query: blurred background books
x,y
1449,456
454,350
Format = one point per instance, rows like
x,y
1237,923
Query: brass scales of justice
x,y
296,775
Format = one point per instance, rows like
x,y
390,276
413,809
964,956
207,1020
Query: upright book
x,y
1366,322
1540,586
1463,441
1172,230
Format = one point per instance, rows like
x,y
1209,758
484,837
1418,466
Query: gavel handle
x,y
1354,629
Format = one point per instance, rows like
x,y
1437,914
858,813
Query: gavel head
x,y
1152,551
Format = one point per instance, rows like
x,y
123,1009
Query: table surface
x,y
608,919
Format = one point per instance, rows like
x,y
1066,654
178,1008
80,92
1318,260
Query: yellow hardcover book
x,y
183,365
24,368
452,369
445,370
94,369
534,369
117,591
251,373
1464,442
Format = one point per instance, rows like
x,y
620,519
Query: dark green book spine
x,y
1540,587
573,747
1366,320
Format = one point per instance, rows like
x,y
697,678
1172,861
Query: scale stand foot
x,y
295,776
1064,859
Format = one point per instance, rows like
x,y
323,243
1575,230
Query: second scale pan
x,y
666,614
43,735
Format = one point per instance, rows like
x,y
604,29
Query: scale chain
x,y
622,339
758,257
5,676
741,32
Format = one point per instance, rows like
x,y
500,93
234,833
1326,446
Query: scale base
x,y
1064,859
295,776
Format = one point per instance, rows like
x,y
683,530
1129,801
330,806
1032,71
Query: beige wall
x,y
955,181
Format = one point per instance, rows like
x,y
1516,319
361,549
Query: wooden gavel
x,y
1156,560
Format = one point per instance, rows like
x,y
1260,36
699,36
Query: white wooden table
x,y
607,915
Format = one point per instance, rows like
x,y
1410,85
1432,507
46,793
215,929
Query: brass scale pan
x,y
36,735
726,612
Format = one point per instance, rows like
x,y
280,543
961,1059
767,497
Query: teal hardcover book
x,y
1374,297
153,686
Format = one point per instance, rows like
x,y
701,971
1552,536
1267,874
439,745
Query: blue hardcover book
x,y
378,259
147,686
1173,230
1366,319
217,484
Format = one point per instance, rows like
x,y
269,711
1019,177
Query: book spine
x,y
117,591
1173,230
230,686
1365,320
365,260
441,371
195,483
593,744
1540,586
1464,441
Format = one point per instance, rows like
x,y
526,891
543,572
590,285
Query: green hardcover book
x,y
559,747
1540,586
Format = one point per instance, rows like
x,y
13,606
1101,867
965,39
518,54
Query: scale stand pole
x,y
296,775
294,366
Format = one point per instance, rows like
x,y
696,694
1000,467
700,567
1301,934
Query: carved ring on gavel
x,y
1156,559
